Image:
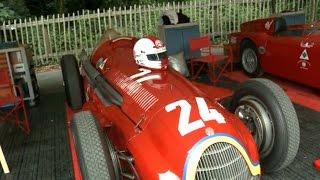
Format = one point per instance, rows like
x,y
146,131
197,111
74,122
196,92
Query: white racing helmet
x,y
151,53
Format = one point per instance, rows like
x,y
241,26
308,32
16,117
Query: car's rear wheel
x,y
96,155
250,60
72,81
271,118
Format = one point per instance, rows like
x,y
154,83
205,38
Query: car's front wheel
x,y
271,118
96,155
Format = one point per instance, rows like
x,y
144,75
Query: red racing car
x,y
289,51
131,116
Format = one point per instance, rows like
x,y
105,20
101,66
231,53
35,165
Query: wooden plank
x,y
205,17
64,33
49,36
15,30
222,20
149,17
80,31
190,10
59,41
4,31
99,23
130,21
157,14
55,38
212,18
125,21
33,42
10,31
95,37
314,10
75,37
4,162
38,43
195,12
45,40
90,29
269,8
264,12
115,18
104,20
86,46
120,21
199,16
109,18
21,32
140,22
229,28
69,33
145,22
135,19
26,31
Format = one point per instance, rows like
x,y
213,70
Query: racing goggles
x,y
157,57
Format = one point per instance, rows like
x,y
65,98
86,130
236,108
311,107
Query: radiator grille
x,y
223,161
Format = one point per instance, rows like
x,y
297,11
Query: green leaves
x,y
6,13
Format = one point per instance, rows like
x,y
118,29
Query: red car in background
x,y
271,45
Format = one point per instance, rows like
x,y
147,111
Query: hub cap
x,y
256,117
249,60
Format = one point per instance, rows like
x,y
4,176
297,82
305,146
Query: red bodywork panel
x,y
293,57
144,125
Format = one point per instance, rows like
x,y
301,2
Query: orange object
x,y
316,164
217,64
12,106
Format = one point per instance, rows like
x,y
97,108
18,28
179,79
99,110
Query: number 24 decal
x,y
206,114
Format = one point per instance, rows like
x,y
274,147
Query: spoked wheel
x,y
256,117
270,117
250,60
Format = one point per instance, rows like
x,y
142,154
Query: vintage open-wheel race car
x,y
130,122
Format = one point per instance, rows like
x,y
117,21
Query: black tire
x,y
72,81
277,118
92,148
249,49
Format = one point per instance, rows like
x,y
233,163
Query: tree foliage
x,y
10,9
25,8
6,13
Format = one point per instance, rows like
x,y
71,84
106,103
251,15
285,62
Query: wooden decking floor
x,y
44,154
